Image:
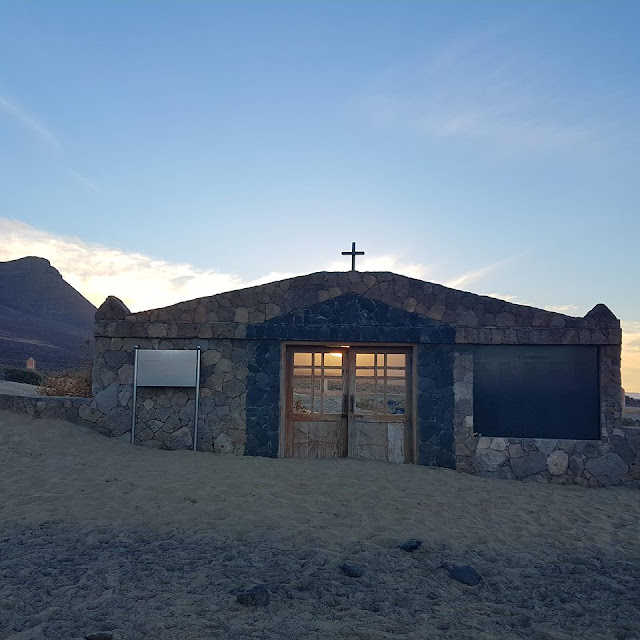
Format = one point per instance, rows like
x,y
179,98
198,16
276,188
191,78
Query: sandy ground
x,y
18,389
96,535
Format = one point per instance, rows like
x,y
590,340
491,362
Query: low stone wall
x,y
83,411
47,407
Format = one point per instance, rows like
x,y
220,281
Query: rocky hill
x,y
41,316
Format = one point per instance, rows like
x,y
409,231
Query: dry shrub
x,y
67,383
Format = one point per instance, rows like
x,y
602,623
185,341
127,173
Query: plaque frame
x,y
150,370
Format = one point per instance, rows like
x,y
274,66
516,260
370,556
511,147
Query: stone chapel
x,y
377,366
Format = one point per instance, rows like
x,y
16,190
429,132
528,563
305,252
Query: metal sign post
x,y
166,368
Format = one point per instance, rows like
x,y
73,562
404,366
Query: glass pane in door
x,y
380,385
318,382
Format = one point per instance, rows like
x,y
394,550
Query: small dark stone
x,y
254,597
410,545
352,570
465,574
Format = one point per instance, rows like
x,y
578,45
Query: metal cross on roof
x,y
353,253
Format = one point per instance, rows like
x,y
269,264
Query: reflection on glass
x,y
395,386
333,359
302,359
395,404
364,360
317,387
319,384
333,404
365,403
301,403
365,385
301,384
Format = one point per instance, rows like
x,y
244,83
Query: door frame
x,y
411,439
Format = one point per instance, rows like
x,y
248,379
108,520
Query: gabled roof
x,y
444,305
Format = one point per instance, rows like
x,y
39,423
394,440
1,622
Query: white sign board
x,y
167,368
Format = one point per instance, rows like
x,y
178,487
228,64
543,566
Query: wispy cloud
x,y
48,139
34,126
88,183
476,89
507,297
567,309
474,275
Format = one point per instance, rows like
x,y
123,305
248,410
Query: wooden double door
x,y
349,401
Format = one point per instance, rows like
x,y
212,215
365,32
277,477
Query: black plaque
x,y
536,392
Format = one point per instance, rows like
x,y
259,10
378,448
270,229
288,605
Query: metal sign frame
x,y
155,375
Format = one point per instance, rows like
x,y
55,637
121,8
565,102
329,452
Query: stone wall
x,y
165,416
240,334
435,406
613,459
47,407
263,399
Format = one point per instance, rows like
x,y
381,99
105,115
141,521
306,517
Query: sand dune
x,y
97,534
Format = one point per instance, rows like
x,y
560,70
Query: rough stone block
x,y
557,462
529,464
489,459
608,469
181,439
107,399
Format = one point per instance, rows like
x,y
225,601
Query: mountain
x,y
41,316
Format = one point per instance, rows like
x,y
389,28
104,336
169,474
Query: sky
x,y
161,151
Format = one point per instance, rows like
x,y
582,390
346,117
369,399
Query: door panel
x,y
379,416
318,440
349,401
316,403
383,441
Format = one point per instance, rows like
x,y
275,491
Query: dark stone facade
x,y
436,442
263,398
353,318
